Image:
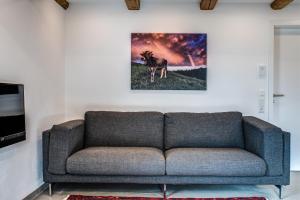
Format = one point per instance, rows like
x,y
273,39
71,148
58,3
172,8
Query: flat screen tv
x,y
12,114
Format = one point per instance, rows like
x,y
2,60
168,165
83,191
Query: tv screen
x,y
12,114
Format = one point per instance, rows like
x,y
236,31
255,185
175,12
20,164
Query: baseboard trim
x,y
33,195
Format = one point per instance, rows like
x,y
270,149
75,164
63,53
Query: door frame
x,y
270,77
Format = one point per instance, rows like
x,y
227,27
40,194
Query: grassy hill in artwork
x,y
183,80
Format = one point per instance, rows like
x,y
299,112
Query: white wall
x,y
32,53
98,55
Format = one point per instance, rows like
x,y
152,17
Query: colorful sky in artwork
x,y
178,49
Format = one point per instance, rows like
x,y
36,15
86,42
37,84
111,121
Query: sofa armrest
x,y
266,141
45,139
286,158
64,140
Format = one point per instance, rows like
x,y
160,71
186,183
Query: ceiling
x,y
220,1
251,1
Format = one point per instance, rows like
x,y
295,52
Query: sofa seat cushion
x,y
117,161
213,162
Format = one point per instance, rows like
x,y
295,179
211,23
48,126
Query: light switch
x,y
261,101
262,71
262,93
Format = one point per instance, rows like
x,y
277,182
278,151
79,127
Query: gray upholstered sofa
x,y
171,148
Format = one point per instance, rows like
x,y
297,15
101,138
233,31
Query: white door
x,y
286,109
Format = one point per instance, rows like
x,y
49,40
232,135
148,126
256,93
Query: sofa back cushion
x,y
204,130
124,129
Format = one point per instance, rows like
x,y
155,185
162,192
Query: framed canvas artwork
x,y
168,61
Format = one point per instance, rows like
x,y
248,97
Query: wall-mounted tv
x,y
12,114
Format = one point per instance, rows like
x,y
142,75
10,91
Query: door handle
x,y
278,95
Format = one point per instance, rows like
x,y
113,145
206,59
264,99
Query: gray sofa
x,y
171,148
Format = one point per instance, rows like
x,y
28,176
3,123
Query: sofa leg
x,y
50,189
280,190
164,190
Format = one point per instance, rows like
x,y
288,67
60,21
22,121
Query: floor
x,y
291,192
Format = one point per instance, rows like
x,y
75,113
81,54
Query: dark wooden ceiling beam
x,y
133,4
63,3
208,4
279,4
204,4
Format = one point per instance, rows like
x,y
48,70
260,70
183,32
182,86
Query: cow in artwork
x,y
154,63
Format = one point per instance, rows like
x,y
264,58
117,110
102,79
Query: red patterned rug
x,y
80,197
